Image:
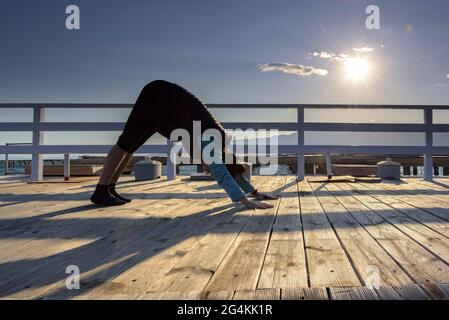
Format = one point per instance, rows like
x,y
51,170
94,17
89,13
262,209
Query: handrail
x,y
38,126
227,106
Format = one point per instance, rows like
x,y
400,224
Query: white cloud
x,y
331,56
323,55
363,49
447,76
342,57
295,69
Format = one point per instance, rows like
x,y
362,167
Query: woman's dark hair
x,y
235,168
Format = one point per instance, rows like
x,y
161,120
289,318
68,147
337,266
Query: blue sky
x,y
216,50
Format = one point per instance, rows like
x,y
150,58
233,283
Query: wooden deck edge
x,y
409,292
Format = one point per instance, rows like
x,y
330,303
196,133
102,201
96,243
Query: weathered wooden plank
x,y
28,212
240,269
285,263
327,262
28,192
410,221
166,295
388,293
436,191
195,269
218,295
435,291
366,254
304,294
6,185
353,293
420,264
155,253
27,198
411,292
90,223
183,238
72,208
411,194
411,211
133,242
444,287
260,294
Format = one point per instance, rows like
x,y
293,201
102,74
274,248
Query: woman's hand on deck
x,y
255,205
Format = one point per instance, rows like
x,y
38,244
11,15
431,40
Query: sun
x,y
357,69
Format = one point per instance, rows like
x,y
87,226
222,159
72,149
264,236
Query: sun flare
x,y
357,69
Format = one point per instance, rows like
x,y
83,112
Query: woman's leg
x,y
116,176
140,125
102,194
120,168
112,164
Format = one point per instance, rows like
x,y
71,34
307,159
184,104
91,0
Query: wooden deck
x,y
184,240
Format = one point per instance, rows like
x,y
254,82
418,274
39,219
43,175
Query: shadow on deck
x,y
184,240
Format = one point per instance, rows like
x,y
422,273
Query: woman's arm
x,y
221,174
247,187
224,179
244,184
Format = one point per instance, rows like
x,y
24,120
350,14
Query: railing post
x,y
37,159
66,167
6,161
301,171
428,160
329,165
171,162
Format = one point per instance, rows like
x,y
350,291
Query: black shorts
x,y
162,107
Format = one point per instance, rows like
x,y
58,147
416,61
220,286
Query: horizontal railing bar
x,y
18,144
439,127
57,149
68,105
118,126
281,126
369,106
16,126
221,106
370,149
367,127
323,106
82,126
254,106
60,149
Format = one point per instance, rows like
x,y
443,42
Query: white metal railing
x,y
39,126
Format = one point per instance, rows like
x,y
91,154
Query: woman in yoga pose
x,y
162,107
